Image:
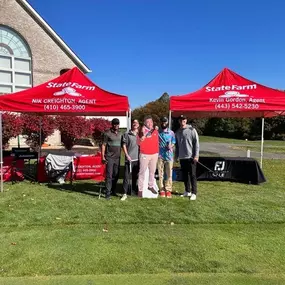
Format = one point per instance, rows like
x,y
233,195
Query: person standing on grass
x,y
131,150
111,154
165,159
187,151
148,143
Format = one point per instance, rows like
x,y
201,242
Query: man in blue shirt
x,y
165,159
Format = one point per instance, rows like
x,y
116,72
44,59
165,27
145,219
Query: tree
x,y
239,128
72,128
98,127
157,109
198,124
12,125
31,129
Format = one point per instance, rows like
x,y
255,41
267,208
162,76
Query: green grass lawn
x,y
233,234
274,143
270,146
268,149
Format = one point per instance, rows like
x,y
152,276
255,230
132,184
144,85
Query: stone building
x,y
31,52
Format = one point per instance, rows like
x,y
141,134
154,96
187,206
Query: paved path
x,y
226,149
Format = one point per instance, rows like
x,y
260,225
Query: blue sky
x,y
142,48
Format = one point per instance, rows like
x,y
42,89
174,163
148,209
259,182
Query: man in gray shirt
x,y
131,150
187,151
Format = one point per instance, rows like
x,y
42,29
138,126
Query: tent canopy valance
x,y
72,93
230,95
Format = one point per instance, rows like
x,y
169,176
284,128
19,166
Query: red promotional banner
x,y
230,95
89,167
72,92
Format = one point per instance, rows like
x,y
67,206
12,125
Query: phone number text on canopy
x,y
49,107
228,106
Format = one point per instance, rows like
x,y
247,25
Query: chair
x,y
20,168
54,175
60,173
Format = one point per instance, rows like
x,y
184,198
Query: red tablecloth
x,y
12,171
85,167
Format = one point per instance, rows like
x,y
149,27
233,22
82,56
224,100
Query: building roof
x,y
35,15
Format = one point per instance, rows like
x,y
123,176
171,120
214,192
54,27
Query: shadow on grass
x,y
88,187
91,188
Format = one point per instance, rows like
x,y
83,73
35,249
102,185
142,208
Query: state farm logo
x,y
68,91
231,88
236,94
69,88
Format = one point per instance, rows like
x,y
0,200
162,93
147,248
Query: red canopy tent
x,y
72,93
230,95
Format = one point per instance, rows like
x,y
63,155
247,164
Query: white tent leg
x,y
1,154
130,119
169,120
262,141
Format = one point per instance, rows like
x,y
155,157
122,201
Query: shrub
x,y
73,128
99,126
31,129
12,125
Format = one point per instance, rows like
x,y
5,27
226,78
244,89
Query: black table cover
x,y
234,169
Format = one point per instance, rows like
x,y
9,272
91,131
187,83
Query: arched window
x,y
15,62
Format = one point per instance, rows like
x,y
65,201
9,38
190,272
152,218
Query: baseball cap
x,y
182,117
115,121
163,120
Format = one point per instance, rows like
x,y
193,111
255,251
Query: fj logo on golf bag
x,y
219,165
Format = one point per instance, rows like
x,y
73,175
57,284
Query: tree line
x,y
238,128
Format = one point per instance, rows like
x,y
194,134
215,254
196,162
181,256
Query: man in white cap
x,y
187,151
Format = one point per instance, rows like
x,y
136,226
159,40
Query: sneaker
x,y
186,194
124,197
140,194
152,190
193,197
168,194
162,193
